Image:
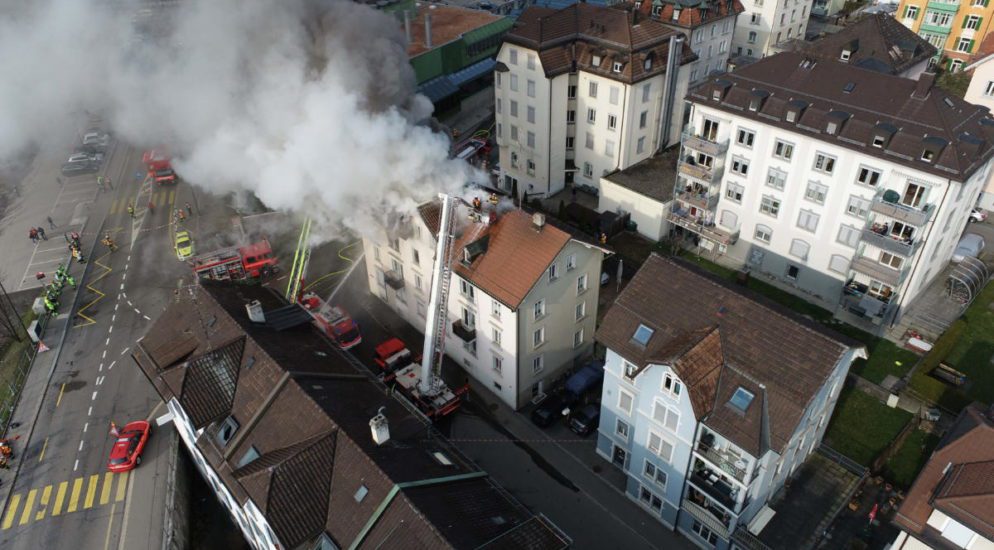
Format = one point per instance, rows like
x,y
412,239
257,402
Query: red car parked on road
x,y
127,451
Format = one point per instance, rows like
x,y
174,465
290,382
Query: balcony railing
x,y
394,279
701,172
857,300
878,271
704,145
729,463
465,333
904,213
888,243
681,217
707,201
706,517
713,486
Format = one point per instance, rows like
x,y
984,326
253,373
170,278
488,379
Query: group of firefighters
x,y
6,452
54,290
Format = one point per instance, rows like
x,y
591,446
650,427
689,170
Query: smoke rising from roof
x,y
309,104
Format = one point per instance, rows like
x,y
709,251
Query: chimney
x,y
255,312
379,427
538,220
925,82
428,29
407,25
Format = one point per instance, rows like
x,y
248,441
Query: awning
x,y
438,88
474,71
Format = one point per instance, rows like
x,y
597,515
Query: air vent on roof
x,y
379,427
849,87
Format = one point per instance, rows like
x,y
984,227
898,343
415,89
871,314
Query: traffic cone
x,y
42,347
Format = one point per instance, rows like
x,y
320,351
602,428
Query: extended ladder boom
x,y
434,345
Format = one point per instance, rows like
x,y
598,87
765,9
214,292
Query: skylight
x,y
741,399
642,335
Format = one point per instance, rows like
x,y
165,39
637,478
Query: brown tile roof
x,y
962,134
447,24
780,357
575,34
210,381
958,479
516,257
877,42
693,13
431,214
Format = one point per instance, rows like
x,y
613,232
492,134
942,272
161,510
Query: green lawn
x,y
885,358
862,427
910,458
973,352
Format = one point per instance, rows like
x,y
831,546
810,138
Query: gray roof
x,y
654,177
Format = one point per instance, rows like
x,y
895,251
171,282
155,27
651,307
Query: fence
x,y
17,375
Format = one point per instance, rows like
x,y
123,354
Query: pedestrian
x,y
41,231
51,224
109,183
151,207
131,210
189,209
33,234
180,214
100,182
3,463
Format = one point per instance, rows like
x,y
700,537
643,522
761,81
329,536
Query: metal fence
x,y
13,384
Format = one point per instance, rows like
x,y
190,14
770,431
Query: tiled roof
x,y
692,13
575,34
431,213
517,255
876,42
780,357
866,103
958,478
209,386
653,178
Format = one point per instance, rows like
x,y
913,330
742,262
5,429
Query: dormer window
x,y
716,95
467,258
638,5
933,148
642,335
791,115
882,133
928,156
656,10
756,99
676,14
878,141
846,54
596,61
617,66
648,63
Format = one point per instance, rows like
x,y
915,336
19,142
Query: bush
x,y
935,390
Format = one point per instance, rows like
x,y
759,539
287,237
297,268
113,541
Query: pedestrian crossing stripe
x,y
100,490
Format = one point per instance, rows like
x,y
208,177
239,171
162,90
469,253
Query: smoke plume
x,y
308,104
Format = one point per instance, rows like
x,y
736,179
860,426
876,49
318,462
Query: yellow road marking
x,y
77,487
114,205
122,485
43,503
44,446
91,491
105,490
61,391
172,197
28,507
8,520
60,495
100,295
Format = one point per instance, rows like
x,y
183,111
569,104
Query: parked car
x,y
548,411
81,167
978,214
584,380
126,453
84,156
971,245
184,245
585,421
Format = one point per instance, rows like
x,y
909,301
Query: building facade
x,y
583,91
705,411
981,92
956,29
766,23
523,298
814,173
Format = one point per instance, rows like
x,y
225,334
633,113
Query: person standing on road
x,y
189,209
41,231
131,210
33,235
100,182
109,184
51,224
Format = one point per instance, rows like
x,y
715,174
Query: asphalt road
x,y
63,496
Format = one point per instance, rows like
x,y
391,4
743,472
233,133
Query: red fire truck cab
x,y
237,262
333,321
393,355
159,167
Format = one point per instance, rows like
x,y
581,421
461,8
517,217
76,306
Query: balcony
x,y
944,5
704,200
701,172
728,462
879,238
875,307
465,333
681,217
394,279
900,212
704,145
705,516
712,484
878,271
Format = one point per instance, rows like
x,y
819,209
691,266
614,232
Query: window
x,y
702,531
530,140
989,90
514,82
495,309
495,335
609,148
514,136
848,235
858,207
538,309
592,88
467,289
913,195
644,117
418,282
954,66
251,454
581,311
570,262
799,249
659,446
531,114
964,45
824,163
613,94
783,150
816,192
625,401
500,128
640,145
588,143
642,335
646,91
468,318
630,369
578,338
752,37
770,206
808,220
938,18
581,284
734,192
868,176
362,491
571,91
499,103
890,260
513,56
648,499
514,108
538,364
226,431
671,385
745,137
622,429
538,337
838,264
763,234
776,178
911,12
972,22
588,169
497,80
498,364
553,272
591,115
612,122
531,61
741,399
729,219
531,88
668,417
740,166
570,143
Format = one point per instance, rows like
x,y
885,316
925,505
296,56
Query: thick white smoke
x,y
309,104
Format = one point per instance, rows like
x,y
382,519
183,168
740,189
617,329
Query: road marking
x,y
100,368
80,445
122,485
112,364
100,380
130,304
100,295
104,356
94,398
89,411
105,490
123,351
124,275
85,426
110,523
43,447
138,312
8,520
60,497
107,342
122,286
91,491
43,503
61,391
75,465
172,197
29,503
110,330
117,305
113,318
147,318
129,258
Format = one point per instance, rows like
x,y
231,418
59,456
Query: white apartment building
x,y
766,23
523,300
981,92
584,91
709,27
711,400
851,186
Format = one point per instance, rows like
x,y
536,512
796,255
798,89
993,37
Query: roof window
x,y
648,63
741,399
596,61
361,493
642,335
846,54
226,431
849,87
676,13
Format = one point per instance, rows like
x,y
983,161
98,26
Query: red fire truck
x,y
393,355
159,167
237,262
333,321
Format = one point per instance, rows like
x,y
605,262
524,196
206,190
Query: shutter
x,y
970,48
905,11
980,23
965,19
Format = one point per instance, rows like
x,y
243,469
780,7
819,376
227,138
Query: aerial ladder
x,y
300,259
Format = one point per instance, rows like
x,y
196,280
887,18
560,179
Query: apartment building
x,y
850,186
954,27
583,91
711,397
300,444
523,299
766,23
708,26
981,92
951,503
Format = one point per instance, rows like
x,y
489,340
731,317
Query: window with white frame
x,y
770,206
622,429
816,192
588,141
740,166
578,338
580,311
728,219
705,533
734,192
530,140
643,119
570,262
592,88
531,61
591,115
745,137
667,416
609,147
799,249
752,37
625,401
824,163
538,364
654,473
495,335
989,89
571,91
514,108
848,235
858,207
660,446
531,114
553,272
513,56
640,145
514,137
672,385
570,143
571,116
538,337
763,234
614,93
776,178
868,176
911,12
531,88
891,260
649,499
838,264
964,45
612,122
495,309
588,169
467,289
646,91
783,150
514,82
581,284
538,309
972,22
808,220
